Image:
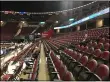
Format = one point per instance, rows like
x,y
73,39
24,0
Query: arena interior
x,y
60,41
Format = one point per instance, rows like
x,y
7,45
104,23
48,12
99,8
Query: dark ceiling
x,y
36,6
45,6
40,6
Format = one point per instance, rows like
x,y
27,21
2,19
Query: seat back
x,y
106,46
97,52
100,45
107,41
105,55
92,65
62,71
68,76
91,50
74,54
102,71
102,40
78,56
83,60
85,48
94,44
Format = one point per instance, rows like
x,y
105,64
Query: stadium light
x,y
42,22
23,22
56,22
1,21
86,18
72,19
38,33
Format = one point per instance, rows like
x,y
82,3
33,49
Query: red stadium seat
x,y
85,49
100,45
91,50
83,61
68,76
94,44
97,53
90,67
102,40
62,71
106,46
105,55
102,73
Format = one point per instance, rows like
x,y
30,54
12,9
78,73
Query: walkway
x,y
43,71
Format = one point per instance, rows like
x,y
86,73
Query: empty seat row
x,y
78,64
61,68
95,78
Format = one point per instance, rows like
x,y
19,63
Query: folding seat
x,y
72,58
53,73
62,71
105,55
68,76
76,58
101,73
64,53
91,50
82,47
106,46
78,47
58,65
94,44
90,66
55,59
63,56
99,46
104,58
82,62
73,55
85,49
97,53
69,52
102,40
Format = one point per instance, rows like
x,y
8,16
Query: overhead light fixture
x,y
1,21
38,33
6,12
102,12
72,19
22,22
42,22
56,22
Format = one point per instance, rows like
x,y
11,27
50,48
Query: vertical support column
x,y
78,28
58,30
99,23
